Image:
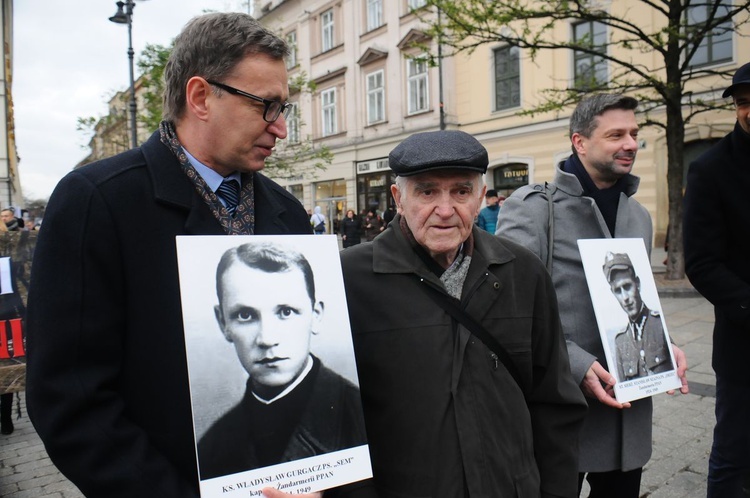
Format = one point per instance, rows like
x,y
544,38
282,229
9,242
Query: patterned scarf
x,y
243,221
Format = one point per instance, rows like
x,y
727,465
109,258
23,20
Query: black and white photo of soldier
x,y
293,406
641,347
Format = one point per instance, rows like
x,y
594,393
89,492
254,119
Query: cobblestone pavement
x,y
682,425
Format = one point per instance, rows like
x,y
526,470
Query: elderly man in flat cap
x,y
641,346
715,229
463,369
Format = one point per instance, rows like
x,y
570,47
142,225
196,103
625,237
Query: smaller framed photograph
x,y
628,312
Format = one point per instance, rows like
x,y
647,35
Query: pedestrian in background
x,y
318,221
717,262
373,224
592,197
351,229
487,219
107,381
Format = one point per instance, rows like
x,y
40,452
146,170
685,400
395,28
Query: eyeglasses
x,y
272,108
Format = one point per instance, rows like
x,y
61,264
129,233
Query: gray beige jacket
x,y
611,439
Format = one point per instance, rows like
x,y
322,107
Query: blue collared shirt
x,y
211,177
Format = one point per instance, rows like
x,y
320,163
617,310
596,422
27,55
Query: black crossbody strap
x,y
451,305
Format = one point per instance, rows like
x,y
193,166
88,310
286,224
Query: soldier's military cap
x,y
616,261
438,150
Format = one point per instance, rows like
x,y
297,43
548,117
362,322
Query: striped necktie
x,y
229,191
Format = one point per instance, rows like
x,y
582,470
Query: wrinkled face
x,y
609,153
238,137
440,208
627,289
269,318
741,97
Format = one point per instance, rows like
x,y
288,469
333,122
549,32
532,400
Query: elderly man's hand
x,y
599,384
681,360
275,493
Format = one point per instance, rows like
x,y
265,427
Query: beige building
x,y
370,95
497,81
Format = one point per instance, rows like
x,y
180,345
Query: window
x,y
374,14
375,97
326,30
417,85
590,70
291,40
293,124
716,46
415,4
328,108
507,78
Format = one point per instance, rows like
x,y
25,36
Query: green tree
x,y
681,30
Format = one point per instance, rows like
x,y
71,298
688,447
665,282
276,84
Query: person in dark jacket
x,y
351,230
373,225
294,407
447,414
716,224
107,385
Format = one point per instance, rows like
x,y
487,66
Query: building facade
x,y
371,91
498,81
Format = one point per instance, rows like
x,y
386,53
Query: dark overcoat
x,y
717,246
107,381
444,418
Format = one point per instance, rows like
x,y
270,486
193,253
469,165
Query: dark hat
x,y
434,150
616,261
491,193
741,77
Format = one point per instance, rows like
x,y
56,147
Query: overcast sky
x,y
68,59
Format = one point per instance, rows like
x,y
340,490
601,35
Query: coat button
x,y
496,285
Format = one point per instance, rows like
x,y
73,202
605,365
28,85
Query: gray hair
x,y
402,181
211,46
583,120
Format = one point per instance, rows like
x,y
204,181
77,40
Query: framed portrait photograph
x,y
628,312
273,380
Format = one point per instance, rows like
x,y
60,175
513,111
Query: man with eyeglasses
x,y
107,375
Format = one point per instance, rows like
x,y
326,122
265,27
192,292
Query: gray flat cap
x,y
435,150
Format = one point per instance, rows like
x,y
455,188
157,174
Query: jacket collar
x,y
569,184
740,141
172,187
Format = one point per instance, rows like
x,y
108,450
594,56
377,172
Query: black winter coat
x,y
107,384
717,246
444,418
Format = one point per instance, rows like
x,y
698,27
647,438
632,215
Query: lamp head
x,y
120,17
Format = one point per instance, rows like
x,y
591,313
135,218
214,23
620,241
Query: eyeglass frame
x,y
284,107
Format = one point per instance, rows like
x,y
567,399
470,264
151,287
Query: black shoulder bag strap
x,y
451,305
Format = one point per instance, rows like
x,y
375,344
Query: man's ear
x,y
317,319
222,324
197,92
577,140
396,193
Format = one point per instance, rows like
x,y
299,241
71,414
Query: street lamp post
x,y
126,17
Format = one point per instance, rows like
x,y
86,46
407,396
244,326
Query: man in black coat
x,y
107,374
716,224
